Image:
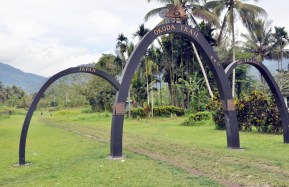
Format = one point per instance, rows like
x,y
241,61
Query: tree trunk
x,y
188,79
147,80
129,98
161,102
203,71
234,56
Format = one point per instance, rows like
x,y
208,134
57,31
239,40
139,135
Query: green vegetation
x,y
64,158
198,117
71,146
162,111
200,150
256,110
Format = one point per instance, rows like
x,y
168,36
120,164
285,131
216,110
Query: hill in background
x,y
29,82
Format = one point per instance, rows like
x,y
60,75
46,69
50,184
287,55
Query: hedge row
x,y
199,116
162,111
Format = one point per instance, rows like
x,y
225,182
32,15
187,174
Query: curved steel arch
x,y
38,96
273,87
214,64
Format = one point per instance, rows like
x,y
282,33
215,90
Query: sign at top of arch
x,y
177,13
176,27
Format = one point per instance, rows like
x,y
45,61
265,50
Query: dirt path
x,y
162,158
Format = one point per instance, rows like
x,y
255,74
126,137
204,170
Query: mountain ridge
x,y
29,82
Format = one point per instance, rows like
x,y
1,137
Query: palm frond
x,y
210,17
154,12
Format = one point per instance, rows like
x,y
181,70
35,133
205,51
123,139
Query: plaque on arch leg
x,y
119,109
228,105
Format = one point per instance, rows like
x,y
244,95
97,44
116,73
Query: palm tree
x,y
121,45
167,64
193,9
234,9
259,40
281,40
141,32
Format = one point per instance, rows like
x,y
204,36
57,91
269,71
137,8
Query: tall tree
x,y
121,45
259,40
281,41
141,32
143,69
234,9
193,8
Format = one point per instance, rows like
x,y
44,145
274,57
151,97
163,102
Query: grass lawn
x,y
158,152
63,158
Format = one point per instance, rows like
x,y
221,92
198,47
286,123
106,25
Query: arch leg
x,y
232,129
116,136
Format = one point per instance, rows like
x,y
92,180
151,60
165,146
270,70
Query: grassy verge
x,y
264,160
63,158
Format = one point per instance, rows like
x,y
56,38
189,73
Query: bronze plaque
x,y
228,105
119,108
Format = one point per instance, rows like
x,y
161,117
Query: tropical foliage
x,y
13,96
174,73
254,111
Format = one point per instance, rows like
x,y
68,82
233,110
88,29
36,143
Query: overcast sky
x,y
47,36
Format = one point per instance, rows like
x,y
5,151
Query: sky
x,y
46,36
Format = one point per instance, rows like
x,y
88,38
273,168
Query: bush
x,y
216,109
199,116
137,112
166,111
162,111
256,110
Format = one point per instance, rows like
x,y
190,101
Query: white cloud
x,y
21,28
104,22
47,36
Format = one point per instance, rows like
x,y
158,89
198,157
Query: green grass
x,y
263,161
63,158
159,152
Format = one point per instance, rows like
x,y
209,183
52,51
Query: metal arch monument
x,y
212,60
39,94
273,87
122,87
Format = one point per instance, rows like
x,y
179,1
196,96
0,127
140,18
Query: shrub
x,y
216,109
256,110
199,116
137,112
166,111
162,111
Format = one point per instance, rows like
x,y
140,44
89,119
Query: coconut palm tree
x,y
234,9
121,45
281,40
141,32
193,8
259,40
